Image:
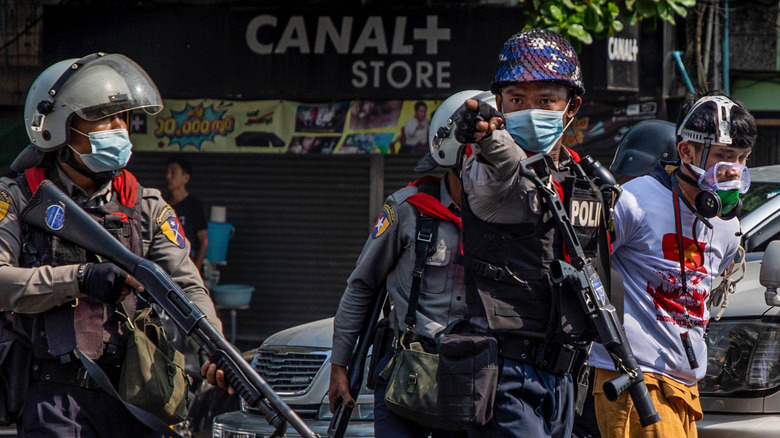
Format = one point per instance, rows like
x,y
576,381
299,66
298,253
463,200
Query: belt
x,y
553,358
71,373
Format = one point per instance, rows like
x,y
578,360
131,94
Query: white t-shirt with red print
x,y
645,253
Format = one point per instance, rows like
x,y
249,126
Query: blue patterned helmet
x,y
538,55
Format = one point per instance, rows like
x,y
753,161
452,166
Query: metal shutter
x,y
300,225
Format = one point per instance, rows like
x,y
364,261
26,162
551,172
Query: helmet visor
x,y
109,85
726,176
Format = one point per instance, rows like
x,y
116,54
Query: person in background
x,y
675,231
188,208
641,147
414,134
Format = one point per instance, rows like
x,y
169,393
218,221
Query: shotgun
x,y
52,211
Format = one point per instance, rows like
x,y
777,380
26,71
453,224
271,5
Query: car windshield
x,y
759,193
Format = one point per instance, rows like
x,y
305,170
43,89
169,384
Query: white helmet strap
x,y
722,127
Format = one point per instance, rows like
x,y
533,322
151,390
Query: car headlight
x,y
743,358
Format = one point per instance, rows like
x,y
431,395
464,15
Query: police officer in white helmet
x,y
57,298
388,259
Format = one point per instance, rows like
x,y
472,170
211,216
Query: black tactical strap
x,y
427,229
144,417
425,240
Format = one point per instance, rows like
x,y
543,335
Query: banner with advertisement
x,y
350,127
276,126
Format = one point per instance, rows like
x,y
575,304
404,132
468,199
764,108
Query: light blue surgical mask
x,y
111,150
536,130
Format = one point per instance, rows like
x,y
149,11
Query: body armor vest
x,y
90,324
508,265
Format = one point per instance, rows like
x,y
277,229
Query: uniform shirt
x,y
646,256
388,257
496,192
35,290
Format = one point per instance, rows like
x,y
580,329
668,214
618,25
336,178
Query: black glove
x,y
102,281
466,120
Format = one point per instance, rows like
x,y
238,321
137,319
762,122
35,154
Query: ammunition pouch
x,y
15,364
550,357
467,378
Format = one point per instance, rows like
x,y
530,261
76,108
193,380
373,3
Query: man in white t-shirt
x,y
675,231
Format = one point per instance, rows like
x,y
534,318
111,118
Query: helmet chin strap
x,y
69,158
705,154
687,178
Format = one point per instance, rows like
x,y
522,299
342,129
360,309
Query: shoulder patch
x,y
166,213
386,219
5,202
171,228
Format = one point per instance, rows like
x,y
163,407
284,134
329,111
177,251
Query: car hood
x,y
748,297
315,334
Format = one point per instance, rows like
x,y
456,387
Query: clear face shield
x,y
726,176
109,85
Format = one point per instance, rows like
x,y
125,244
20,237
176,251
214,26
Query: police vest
x,y
92,325
508,265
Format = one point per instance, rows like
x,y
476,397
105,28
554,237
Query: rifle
x,y
343,413
581,275
53,212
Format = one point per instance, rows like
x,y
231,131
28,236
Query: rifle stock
x,y
53,212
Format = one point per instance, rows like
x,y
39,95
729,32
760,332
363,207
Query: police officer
x,y
56,296
641,147
510,236
387,261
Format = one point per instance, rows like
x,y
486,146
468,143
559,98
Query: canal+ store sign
x,y
404,54
258,53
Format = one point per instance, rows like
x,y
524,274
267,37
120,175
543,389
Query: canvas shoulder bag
x,y
412,390
153,376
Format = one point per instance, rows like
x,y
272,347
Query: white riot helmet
x,y
94,87
444,149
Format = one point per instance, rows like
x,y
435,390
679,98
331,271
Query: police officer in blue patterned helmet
x,y
510,236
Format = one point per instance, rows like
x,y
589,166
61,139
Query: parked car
x,y
296,363
740,393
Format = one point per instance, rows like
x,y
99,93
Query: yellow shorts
x,y
676,403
